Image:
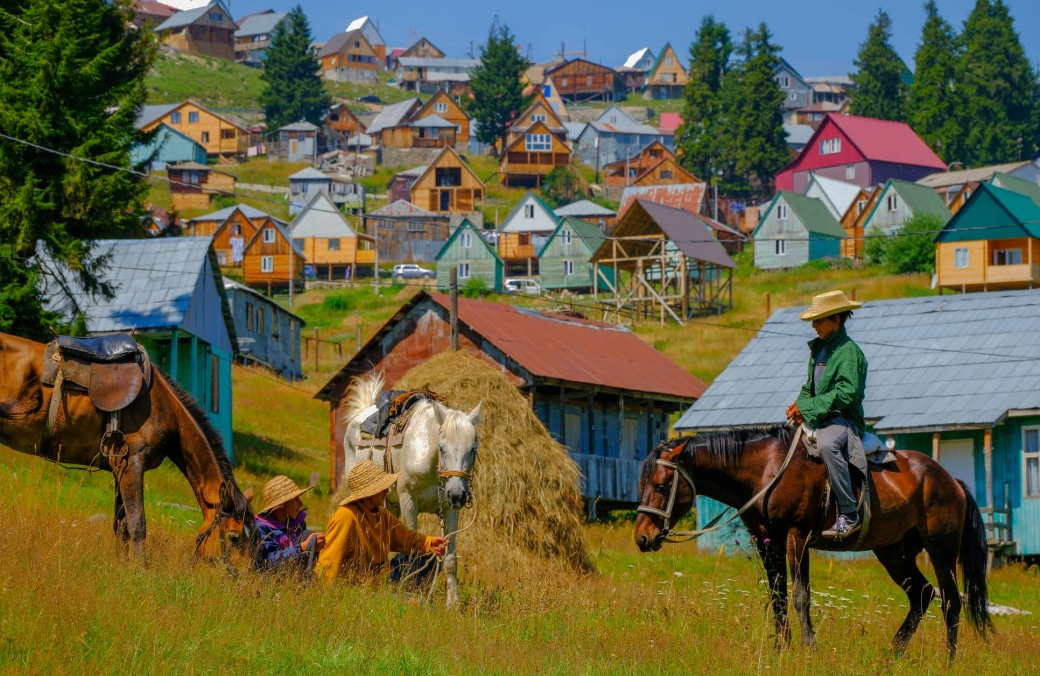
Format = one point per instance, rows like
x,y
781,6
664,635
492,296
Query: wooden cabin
x,y
635,68
666,77
624,171
219,136
270,260
540,110
448,186
192,185
371,32
253,36
899,202
530,157
547,89
603,218
445,107
581,81
399,188
852,222
296,142
613,137
208,30
427,75
167,147
327,240
420,49
564,261
431,131
307,182
349,57
342,119
794,230
231,228
523,232
407,234
468,252
268,334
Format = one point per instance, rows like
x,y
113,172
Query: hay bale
x,y
527,487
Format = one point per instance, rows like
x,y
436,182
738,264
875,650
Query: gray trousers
x,y
832,440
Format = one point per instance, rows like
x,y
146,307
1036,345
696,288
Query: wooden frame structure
x,y
667,263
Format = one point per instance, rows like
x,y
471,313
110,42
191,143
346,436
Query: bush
x,y
337,303
563,185
475,288
910,249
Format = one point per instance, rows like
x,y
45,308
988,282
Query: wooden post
x,y
621,423
987,449
684,289
453,286
358,315
193,379
590,403
563,415
936,445
649,426
375,245
316,349
769,302
532,392
173,354
853,293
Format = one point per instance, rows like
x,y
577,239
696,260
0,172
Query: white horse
x,y
439,444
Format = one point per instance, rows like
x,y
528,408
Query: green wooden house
x,y
794,230
468,252
564,258
899,202
1016,184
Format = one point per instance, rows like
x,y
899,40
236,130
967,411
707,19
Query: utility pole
x,y
316,339
453,285
292,279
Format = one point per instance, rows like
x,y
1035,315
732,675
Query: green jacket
x,y
840,391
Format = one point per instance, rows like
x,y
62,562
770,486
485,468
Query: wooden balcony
x,y
533,163
433,142
365,256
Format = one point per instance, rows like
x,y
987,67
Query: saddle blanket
x,y
874,449
390,408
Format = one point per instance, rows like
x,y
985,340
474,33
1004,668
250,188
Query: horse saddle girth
x,y
113,375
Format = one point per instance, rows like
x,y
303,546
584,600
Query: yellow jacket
x,y
358,542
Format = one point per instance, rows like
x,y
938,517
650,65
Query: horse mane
x,y
364,391
456,424
723,448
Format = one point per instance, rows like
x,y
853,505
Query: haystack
x,y
528,495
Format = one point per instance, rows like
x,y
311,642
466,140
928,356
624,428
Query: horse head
x,y
666,494
233,526
458,442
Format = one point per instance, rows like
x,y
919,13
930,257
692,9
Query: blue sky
x,y
819,37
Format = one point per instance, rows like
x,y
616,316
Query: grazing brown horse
x,y
915,505
163,422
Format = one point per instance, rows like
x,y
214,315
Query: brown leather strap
x,y
52,412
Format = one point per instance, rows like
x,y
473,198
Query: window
x,y
793,96
781,212
175,118
205,137
416,226
666,173
214,383
193,117
860,206
249,316
268,235
266,265
538,142
960,258
298,242
440,107
850,172
669,61
227,133
563,82
893,202
568,268
780,247
1031,462
588,80
333,243
463,270
830,146
565,237
216,16
784,81
236,228
191,177
1007,257
538,118
528,211
260,327
466,239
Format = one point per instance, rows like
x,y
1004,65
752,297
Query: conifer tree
x,y
498,96
72,79
880,90
293,89
931,106
997,90
698,139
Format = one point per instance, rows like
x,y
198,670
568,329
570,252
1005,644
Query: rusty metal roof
x,y
557,347
686,196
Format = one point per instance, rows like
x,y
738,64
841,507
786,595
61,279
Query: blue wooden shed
x,y
952,377
268,334
170,291
168,146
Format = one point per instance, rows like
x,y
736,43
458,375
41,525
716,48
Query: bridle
x,y
678,471
218,523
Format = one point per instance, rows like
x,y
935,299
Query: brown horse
x,y
915,505
163,422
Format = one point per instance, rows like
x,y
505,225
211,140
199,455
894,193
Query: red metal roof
x,y
670,121
576,350
685,196
886,141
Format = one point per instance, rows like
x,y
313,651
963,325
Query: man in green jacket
x,y
831,401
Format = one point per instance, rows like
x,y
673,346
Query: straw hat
x,y
279,491
367,479
827,304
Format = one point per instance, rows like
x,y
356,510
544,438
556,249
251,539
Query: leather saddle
x,y
112,369
385,427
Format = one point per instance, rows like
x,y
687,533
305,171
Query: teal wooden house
x,y
564,259
468,252
794,230
168,146
899,202
953,377
170,291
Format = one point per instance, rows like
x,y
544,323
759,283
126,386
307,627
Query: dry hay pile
x,y
528,497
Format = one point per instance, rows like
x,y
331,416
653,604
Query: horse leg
x,y
773,555
131,492
900,560
409,510
451,524
944,562
119,518
798,560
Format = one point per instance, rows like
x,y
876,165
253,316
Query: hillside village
x,y
342,236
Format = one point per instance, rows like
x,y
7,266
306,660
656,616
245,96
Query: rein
x,y
677,472
217,523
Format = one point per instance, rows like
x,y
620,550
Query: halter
x,y
666,513
217,523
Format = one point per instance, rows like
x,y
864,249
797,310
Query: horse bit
x,y
666,513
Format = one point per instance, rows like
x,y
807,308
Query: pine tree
x,y
72,79
498,96
997,90
293,89
698,139
880,90
931,106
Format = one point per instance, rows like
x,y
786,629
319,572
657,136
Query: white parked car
x,y
411,271
527,287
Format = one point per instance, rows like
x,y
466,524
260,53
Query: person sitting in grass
x,y
362,533
282,527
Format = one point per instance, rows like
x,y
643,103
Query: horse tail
x,y
974,555
364,393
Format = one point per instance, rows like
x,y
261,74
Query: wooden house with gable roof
x,y
581,81
795,229
564,261
367,27
532,155
445,107
666,77
327,240
852,222
218,135
654,165
420,49
192,185
468,252
231,229
540,110
271,259
899,202
349,57
207,30
448,185
342,119
407,234
524,232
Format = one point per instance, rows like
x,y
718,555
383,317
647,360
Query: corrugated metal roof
x,y
813,214
188,17
584,208
685,196
252,213
921,199
574,129
433,121
320,218
401,209
945,179
886,141
309,173
425,62
798,134
838,193
299,126
617,121
686,231
634,59
393,115
935,362
150,114
1017,184
260,24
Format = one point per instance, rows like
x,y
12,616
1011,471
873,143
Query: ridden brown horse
x,y
163,422
915,505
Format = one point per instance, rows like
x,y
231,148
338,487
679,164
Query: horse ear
x,y
442,412
474,415
248,494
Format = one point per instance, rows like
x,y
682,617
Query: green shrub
x,y
910,249
336,303
475,287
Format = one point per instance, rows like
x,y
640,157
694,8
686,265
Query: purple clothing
x,y
280,542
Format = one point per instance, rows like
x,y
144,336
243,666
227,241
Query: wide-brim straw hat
x,y
279,491
367,479
827,304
